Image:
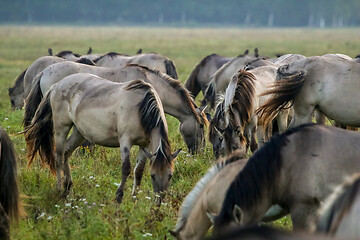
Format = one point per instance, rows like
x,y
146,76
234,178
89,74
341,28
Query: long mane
x,y
151,118
261,172
239,98
192,197
181,90
337,205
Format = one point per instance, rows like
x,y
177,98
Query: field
x,y
90,211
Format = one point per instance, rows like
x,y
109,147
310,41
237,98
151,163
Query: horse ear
x,y
139,51
211,216
238,214
174,155
50,51
246,52
149,154
89,51
256,51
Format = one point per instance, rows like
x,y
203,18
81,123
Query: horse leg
x,y
72,143
253,143
302,114
60,136
282,120
126,168
139,170
261,135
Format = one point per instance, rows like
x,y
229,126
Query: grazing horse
x,y
10,205
205,200
221,78
175,98
327,84
296,170
199,78
108,114
24,81
150,60
339,215
238,124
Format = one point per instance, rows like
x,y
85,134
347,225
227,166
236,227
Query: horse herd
x,y
116,100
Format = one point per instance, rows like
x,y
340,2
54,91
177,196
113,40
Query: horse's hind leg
x,y
71,144
139,170
126,168
60,136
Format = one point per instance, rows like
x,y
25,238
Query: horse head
x,y
162,168
17,100
192,130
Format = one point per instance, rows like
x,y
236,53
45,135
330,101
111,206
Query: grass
x,y
90,211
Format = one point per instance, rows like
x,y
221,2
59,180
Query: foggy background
x,y
186,13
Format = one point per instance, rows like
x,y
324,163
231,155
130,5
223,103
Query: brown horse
x,y
296,170
115,115
339,215
10,205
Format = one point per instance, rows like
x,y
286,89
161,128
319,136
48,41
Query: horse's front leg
x,y
71,144
139,170
126,168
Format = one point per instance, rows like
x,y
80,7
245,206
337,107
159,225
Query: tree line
x,y
248,13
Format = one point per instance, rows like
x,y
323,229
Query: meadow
x,y
90,211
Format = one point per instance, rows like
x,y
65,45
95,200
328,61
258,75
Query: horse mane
x,y
151,118
181,90
191,83
192,197
240,99
338,204
219,114
260,172
18,81
66,52
110,54
86,61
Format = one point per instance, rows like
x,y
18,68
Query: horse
x,y
339,215
150,60
296,170
200,76
24,81
281,60
175,98
238,125
115,115
11,207
207,196
221,78
326,84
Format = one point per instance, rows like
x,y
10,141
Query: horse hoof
x,y
119,196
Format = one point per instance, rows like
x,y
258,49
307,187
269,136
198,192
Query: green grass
x,y
90,211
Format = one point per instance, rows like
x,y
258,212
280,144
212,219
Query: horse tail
x,y
39,135
9,191
210,95
170,69
32,101
284,92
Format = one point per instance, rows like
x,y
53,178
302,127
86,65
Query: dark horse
x,y
10,205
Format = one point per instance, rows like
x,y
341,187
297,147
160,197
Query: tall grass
x,y
90,211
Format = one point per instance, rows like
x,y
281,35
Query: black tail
x,y
9,192
170,69
39,135
32,101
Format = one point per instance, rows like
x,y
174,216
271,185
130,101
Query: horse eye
x,y
153,177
